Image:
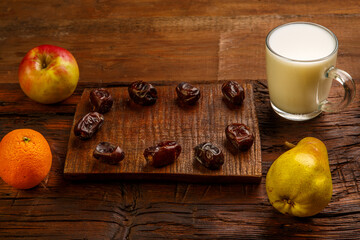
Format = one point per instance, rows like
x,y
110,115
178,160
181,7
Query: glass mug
x,y
300,68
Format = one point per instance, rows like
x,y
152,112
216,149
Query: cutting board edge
x,y
161,177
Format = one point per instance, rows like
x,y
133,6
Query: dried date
x,y
162,154
108,153
143,93
88,125
240,136
187,93
233,92
209,155
101,100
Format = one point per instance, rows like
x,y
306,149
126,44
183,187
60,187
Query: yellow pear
x,y
299,182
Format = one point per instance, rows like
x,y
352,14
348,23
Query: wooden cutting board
x,y
134,128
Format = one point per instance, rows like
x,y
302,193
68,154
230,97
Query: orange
x,y
25,158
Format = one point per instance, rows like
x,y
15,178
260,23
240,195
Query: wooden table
x,y
163,42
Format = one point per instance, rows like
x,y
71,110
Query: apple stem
x,y
44,65
289,145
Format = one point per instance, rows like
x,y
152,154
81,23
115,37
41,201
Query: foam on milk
x,y
303,42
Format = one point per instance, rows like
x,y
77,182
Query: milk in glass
x,y
297,59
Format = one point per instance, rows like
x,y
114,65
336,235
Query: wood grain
x,y
160,210
165,41
163,49
125,9
135,128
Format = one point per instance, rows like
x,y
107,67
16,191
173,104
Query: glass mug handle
x,y
349,87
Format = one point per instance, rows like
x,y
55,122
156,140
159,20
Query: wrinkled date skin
x,y
143,93
233,92
187,93
109,153
88,125
101,100
162,154
240,136
209,155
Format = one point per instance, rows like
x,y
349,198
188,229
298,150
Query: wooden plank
x,y
135,128
167,49
158,210
91,9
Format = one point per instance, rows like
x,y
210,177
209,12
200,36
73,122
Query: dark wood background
x,y
165,42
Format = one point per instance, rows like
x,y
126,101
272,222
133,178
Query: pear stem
x,y
289,144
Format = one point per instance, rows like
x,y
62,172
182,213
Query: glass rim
x,y
304,61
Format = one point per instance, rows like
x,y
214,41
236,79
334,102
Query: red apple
x,y
48,74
